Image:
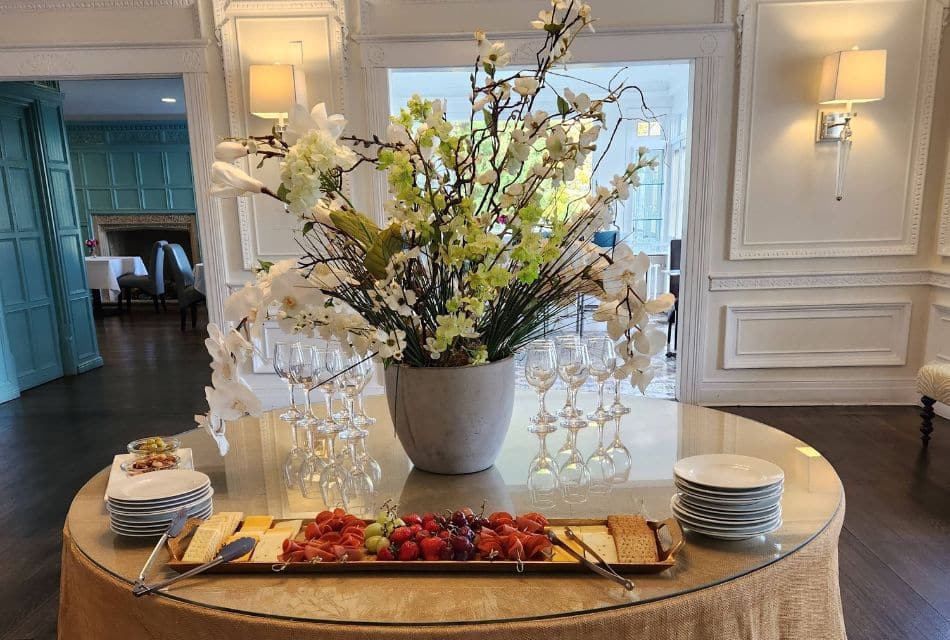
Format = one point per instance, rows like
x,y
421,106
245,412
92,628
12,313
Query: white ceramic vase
x,y
452,420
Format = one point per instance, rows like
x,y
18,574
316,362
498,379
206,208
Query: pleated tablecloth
x,y
794,598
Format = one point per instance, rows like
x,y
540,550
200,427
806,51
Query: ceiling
x,y
123,99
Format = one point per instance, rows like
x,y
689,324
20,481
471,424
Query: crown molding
x,y
31,6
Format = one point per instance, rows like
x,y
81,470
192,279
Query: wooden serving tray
x,y
665,551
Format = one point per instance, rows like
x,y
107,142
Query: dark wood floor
x,y
895,549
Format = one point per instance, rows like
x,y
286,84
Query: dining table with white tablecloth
x,y
102,272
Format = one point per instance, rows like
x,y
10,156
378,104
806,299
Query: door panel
x,y
24,263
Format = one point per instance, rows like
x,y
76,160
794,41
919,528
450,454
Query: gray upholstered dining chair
x,y
153,283
188,296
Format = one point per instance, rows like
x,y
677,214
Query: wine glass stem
x,y
600,392
293,399
294,440
542,409
309,390
349,402
574,391
328,398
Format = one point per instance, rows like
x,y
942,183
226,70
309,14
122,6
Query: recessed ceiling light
x,y
170,100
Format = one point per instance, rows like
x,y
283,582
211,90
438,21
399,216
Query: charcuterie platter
x,y
460,541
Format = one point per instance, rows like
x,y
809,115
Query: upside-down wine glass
x,y
302,372
540,371
297,455
603,363
599,465
573,475
281,360
573,365
543,484
619,455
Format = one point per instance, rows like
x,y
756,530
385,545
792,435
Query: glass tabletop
x,y
656,433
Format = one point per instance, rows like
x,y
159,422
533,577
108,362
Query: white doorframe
x,y
187,60
704,46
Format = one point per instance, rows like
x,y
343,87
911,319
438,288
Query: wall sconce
x,y
272,93
847,77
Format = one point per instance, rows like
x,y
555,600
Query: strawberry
x,y
408,551
386,553
421,535
412,518
432,526
428,517
416,528
400,535
431,548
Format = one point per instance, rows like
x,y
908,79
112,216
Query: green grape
x,y
373,530
372,543
383,516
399,523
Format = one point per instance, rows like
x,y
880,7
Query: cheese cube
x,y
603,544
269,546
292,527
257,523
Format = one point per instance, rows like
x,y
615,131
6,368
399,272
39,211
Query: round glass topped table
x,y
783,584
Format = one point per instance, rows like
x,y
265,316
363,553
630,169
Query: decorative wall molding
x,y
103,225
836,279
739,249
798,392
792,349
227,15
163,132
9,6
943,237
938,334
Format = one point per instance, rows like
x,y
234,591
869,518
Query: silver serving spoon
x,y
230,551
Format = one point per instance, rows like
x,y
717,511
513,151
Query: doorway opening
x,y
653,218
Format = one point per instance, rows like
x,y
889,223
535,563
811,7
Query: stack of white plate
x,y
728,496
144,506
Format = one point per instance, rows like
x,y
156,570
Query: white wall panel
x,y
829,335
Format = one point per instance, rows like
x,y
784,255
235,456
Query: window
x,y
652,216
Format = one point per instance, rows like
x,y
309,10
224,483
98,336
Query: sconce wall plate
x,y
833,126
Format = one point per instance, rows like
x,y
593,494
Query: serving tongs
x,y
178,523
603,569
230,551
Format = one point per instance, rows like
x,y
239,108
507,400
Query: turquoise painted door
x,y
25,281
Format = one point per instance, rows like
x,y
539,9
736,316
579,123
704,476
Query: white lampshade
x,y
853,76
272,90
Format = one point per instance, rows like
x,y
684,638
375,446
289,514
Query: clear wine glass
x,y
565,339
540,371
359,488
543,484
362,419
618,409
327,364
573,365
302,372
333,478
600,466
603,363
281,363
352,376
619,455
573,475
312,468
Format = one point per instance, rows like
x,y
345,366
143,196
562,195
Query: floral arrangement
x,y
91,244
469,265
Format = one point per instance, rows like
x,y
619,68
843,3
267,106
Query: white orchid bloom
x,y
626,271
641,380
227,181
661,303
301,122
621,187
216,429
556,143
526,85
229,151
580,101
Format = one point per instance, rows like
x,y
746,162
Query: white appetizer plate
x,y
727,510
161,509
160,485
158,518
153,526
728,532
738,520
728,471
773,493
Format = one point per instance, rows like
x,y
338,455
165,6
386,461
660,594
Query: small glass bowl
x,y
140,448
146,464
